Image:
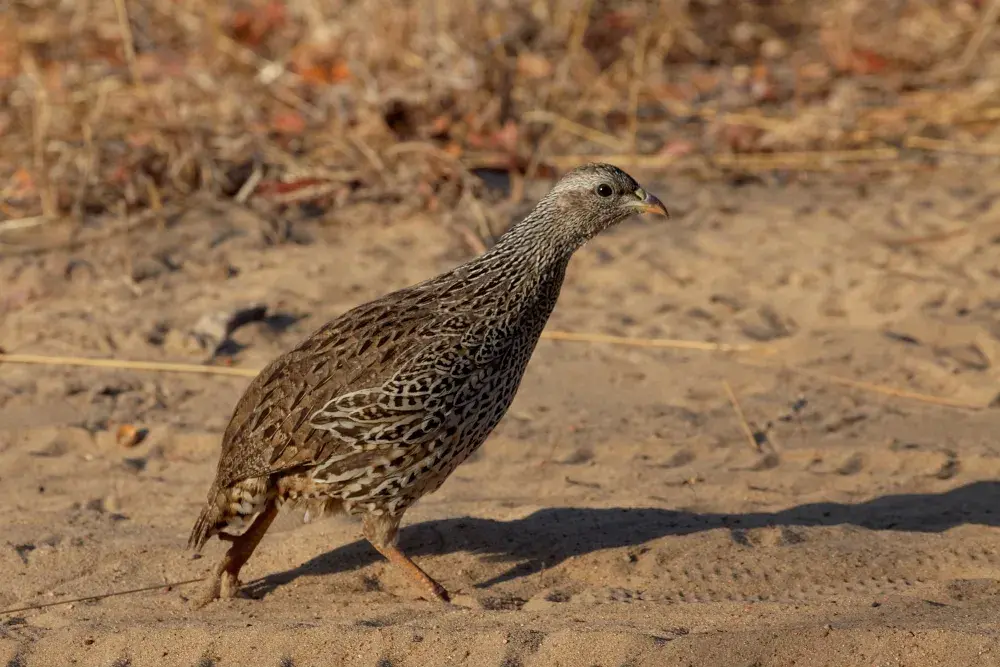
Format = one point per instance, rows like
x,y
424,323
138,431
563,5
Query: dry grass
x,y
111,107
755,355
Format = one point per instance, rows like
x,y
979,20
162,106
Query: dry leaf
x,y
317,74
739,138
705,82
673,92
157,66
440,126
762,88
139,138
130,436
863,61
533,66
265,188
22,182
678,148
506,137
288,122
252,27
340,72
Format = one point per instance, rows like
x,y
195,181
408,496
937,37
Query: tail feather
x,y
206,526
229,510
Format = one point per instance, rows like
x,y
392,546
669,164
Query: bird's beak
x,y
647,203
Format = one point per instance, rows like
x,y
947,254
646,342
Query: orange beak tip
x,y
650,204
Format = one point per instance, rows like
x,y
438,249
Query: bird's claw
x,y
222,587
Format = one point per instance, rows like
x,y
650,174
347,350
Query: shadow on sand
x,y
548,537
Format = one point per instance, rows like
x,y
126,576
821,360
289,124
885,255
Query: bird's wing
x,y
380,378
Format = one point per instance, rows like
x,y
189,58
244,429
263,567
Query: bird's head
x,y
594,197
584,202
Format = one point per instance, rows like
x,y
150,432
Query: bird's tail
x,y
230,510
206,526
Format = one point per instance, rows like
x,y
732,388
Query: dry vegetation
x,y
127,106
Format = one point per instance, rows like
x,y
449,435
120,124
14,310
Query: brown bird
x,y
379,406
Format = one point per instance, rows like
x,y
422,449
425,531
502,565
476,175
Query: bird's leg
x,y
225,581
383,531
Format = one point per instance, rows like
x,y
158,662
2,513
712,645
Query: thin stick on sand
x,y
568,336
100,596
125,364
886,390
169,367
654,342
738,409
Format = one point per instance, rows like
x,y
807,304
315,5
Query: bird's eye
x,y
604,190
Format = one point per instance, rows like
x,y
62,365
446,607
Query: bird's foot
x,y
437,592
223,586
230,585
210,594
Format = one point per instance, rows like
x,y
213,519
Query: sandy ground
x,y
617,517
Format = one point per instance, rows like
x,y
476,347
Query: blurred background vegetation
x,y
125,107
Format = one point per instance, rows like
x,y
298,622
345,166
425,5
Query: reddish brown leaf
x,y
430,199
265,188
867,62
119,174
340,72
241,26
476,140
678,148
506,137
274,14
139,138
705,82
620,20
156,66
9,52
675,92
288,122
320,72
314,75
252,27
740,138
440,126
23,183
762,87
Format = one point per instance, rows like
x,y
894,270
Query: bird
x,y
379,406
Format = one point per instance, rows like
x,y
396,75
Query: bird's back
x,y
271,421
436,361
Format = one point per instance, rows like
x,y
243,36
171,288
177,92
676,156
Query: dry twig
x,y
884,389
662,343
738,409
125,364
100,596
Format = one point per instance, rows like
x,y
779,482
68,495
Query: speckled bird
x,y
376,408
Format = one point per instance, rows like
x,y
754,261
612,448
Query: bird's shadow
x,y
548,537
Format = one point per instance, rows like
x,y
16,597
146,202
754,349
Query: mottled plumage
x,y
379,406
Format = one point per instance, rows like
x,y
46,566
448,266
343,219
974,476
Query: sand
x,y
618,516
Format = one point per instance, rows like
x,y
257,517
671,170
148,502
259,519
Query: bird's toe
x,y
229,586
210,594
438,592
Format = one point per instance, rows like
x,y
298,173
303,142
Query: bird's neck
x,y
539,241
